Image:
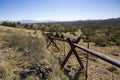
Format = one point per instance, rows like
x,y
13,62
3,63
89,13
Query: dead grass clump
x,y
31,46
6,71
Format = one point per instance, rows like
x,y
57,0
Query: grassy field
x,y
22,50
23,56
97,69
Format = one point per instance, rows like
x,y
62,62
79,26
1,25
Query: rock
x,y
44,71
81,57
69,66
92,59
67,70
74,68
115,53
111,69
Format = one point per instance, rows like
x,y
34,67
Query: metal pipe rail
x,y
97,54
100,55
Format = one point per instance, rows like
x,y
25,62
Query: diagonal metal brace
x,y
72,51
52,41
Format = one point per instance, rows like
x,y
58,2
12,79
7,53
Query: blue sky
x,y
63,10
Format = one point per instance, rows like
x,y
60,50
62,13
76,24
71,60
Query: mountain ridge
x,y
52,21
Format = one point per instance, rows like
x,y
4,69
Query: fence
x,y
74,44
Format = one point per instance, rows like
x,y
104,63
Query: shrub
x,y
101,41
88,31
57,35
50,34
117,42
62,36
11,24
87,39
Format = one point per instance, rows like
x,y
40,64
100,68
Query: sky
x,y
59,10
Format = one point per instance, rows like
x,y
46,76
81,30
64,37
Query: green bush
x,y
117,42
57,35
62,36
88,31
101,41
11,24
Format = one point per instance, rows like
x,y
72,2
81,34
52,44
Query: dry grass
x,y
98,69
21,49
16,43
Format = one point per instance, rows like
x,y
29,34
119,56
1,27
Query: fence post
x,y
52,41
72,50
64,49
86,74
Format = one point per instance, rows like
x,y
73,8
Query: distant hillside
x,y
30,21
108,22
78,22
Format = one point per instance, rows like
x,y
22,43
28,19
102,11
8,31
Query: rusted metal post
x,y
52,41
72,51
64,49
112,74
86,74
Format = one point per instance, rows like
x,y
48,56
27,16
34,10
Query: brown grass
x,y
98,69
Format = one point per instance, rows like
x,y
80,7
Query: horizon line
x,y
61,20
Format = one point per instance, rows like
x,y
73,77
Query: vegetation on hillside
x,y
24,57
101,32
103,36
11,24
